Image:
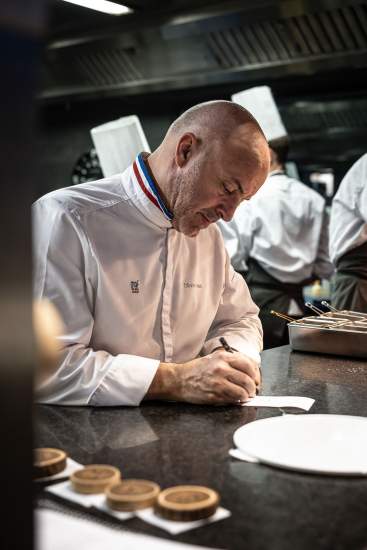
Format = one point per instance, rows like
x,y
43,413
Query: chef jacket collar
x,y
276,173
146,195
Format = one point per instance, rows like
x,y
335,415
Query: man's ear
x,y
185,148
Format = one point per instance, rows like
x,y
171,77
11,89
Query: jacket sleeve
x,y
362,188
323,267
64,274
237,318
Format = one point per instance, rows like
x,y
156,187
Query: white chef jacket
x,y
132,291
348,219
284,228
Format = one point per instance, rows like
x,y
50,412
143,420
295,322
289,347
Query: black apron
x,y
349,284
269,293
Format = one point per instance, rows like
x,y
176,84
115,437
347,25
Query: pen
x,y
227,347
225,344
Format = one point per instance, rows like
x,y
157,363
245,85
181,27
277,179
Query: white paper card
x,y
236,453
177,527
58,531
304,403
115,513
66,491
71,467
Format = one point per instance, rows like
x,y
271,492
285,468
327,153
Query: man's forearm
x,y
166,383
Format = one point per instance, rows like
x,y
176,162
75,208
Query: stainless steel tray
x,y
337,333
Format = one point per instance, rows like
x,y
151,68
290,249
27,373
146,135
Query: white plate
x,y
322,443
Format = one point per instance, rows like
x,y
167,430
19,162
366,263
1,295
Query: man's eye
x,y
226,190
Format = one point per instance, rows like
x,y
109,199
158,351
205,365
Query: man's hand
x,y
219,378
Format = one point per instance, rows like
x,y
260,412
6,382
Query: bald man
x,y
136,266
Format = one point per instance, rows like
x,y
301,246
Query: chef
x,y
348,239
279,239
137,268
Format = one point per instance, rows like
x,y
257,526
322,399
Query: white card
x,y
115,513
66,491
71,467
304,403
177,527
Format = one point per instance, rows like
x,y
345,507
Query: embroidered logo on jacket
x,y
134,285
188,284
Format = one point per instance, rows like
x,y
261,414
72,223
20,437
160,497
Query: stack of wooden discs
x,y
132,494
48,462
180,503
95,478
186,503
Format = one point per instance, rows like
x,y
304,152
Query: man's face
x,y
210,187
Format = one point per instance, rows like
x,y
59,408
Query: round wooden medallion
x,y
48,462
187,503
94,478
132,494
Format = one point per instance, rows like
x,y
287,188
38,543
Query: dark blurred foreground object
x,y
20,43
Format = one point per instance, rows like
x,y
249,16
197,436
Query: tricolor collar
x,y
148,186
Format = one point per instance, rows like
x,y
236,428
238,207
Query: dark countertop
x,y
176,443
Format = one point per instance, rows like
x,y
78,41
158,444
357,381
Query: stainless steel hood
x,y
226,44
312,53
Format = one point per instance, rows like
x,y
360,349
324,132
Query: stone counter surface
x,y
173,443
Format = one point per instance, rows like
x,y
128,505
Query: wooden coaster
x,y
186,503
48,462
95,478
132,494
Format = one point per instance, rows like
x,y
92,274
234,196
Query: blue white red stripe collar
x,y
148,186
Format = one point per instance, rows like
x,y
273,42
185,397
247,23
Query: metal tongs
x,y
333,324
314,308
282,316
330,307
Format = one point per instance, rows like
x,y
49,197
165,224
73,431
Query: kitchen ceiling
x,y
312,53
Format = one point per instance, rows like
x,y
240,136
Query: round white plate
x,y
320,443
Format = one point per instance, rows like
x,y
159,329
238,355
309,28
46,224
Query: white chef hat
x,y
118,142
260,102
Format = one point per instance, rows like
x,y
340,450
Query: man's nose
x,y
228,209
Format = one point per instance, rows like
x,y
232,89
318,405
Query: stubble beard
x,y
183,214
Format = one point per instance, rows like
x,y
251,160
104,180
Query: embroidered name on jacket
x,y
134,285
189,284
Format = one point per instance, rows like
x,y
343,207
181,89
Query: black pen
x,y
227,347
225,344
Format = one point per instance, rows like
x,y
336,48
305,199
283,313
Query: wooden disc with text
x,y
186,503
48,462
95,478
132,494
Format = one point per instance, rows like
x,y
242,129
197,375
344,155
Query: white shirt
x,y
132,291
284,228
348,220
